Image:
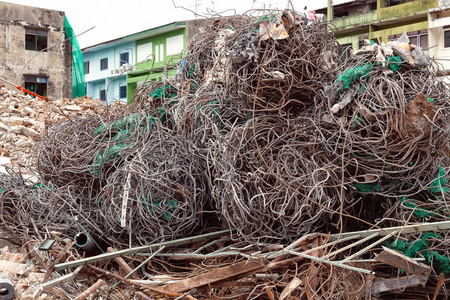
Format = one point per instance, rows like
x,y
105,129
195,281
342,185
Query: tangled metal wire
x,y
234,59
248,130
393,138
168,190
274,179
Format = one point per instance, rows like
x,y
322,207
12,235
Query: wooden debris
x,y
92,289
60,255
396,284
402,262
215,275
439,285
122,263
294,284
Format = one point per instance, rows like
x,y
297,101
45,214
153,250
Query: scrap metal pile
x,y
268,167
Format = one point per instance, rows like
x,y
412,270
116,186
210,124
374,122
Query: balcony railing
x,y
355,20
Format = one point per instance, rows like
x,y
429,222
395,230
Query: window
x,y
345,50
418,38
161,52
104,64
35,39
36,84
174,45
388,3
122,91
124,58
144,52
86,67
102,94
361,44
447,39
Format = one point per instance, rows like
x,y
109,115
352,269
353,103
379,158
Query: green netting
x,y
106,155
126,124
78,83
439,185
41,186
421,247
394,63
417,210
166,92
121,133
345,80
351,75
369,187
151,202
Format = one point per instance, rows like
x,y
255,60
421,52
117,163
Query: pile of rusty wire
x,y
265,128
90,166
270,141
392,137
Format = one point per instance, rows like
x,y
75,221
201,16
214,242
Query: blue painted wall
x,y
98,79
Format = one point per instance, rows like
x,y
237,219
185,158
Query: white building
x,y
439,37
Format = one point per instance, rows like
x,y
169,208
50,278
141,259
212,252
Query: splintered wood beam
x,y
215,275
402,262
122,263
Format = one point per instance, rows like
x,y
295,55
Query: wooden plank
x,y
122,263
402,262
215,275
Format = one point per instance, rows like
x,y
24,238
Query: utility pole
x,y
330,11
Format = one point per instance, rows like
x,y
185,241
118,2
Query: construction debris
x,y
269,167
23,120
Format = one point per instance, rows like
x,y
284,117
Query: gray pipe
x,y
85,242
6,289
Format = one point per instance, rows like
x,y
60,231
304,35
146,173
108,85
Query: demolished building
x,y
35,52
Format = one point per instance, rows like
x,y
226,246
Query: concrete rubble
x,y
22,120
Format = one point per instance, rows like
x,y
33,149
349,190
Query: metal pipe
x,y
85,242
141,249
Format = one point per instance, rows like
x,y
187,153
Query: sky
x,y
112,19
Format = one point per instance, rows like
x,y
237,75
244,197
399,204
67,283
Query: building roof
x,y
343,5
136,36
114,42
155,31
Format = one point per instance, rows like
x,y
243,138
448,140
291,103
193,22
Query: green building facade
x,y
157,52
380,20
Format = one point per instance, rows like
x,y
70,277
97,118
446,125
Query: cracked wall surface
x,y
16,61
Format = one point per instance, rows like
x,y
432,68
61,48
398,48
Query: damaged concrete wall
x,y
15,61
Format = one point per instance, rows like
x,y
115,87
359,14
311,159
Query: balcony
x,y
358,21
408,9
